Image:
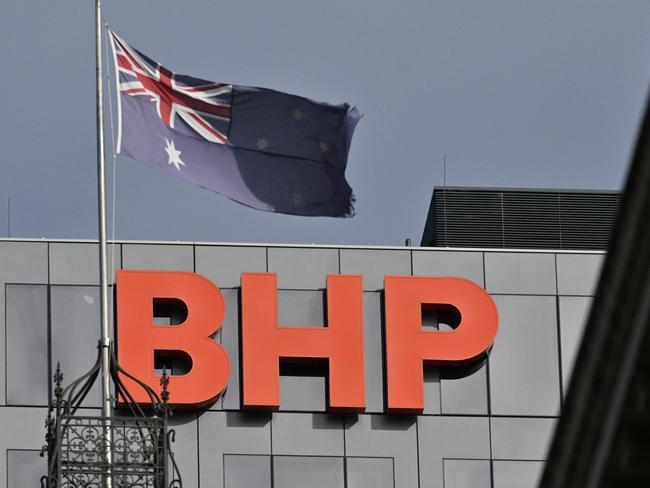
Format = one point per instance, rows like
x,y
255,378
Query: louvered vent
x,y
538,219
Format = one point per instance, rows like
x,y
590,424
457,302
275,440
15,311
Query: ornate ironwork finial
x,y
58,381
164,382
132,450
50,423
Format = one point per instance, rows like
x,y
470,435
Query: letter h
x,y
265,342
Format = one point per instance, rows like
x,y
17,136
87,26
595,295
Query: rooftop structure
x,y
520,218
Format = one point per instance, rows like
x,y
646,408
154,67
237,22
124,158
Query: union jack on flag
x,y
203,105
263,148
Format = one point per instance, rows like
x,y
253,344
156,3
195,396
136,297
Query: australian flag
x,y
266,149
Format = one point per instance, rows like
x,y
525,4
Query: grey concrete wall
x,y
490,428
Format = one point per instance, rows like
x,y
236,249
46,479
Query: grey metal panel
x,y
467,473
252,471
574,312
517,474
431,390
229,433
307,434
303,393
22,429
524,371
386,436
23,262
577,274
78,263
373,352
229,337
449,437
302,269
25,468
373,265
27,345
520,273
20,262
75,330
301,308
158,257
185,446
3,383
224,265
465,395
467,265
521,438
315,472
363,472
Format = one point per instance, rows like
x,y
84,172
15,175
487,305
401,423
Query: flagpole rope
x,y
114,149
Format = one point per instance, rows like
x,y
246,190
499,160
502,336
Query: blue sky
x,y
534,94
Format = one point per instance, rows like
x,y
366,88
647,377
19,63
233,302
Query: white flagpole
x,y
107,407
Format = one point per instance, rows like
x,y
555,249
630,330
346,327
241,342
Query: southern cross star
x,y
297,114
323,146
297,199
173,154
262,143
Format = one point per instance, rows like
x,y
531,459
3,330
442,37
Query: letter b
x,y
139,338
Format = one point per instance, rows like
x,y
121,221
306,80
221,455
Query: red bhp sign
x,y
264,342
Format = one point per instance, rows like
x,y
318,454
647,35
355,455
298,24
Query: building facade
x,y
489,426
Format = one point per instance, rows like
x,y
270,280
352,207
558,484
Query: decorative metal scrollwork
x,y
133,450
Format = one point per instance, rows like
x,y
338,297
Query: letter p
x,y
408,346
